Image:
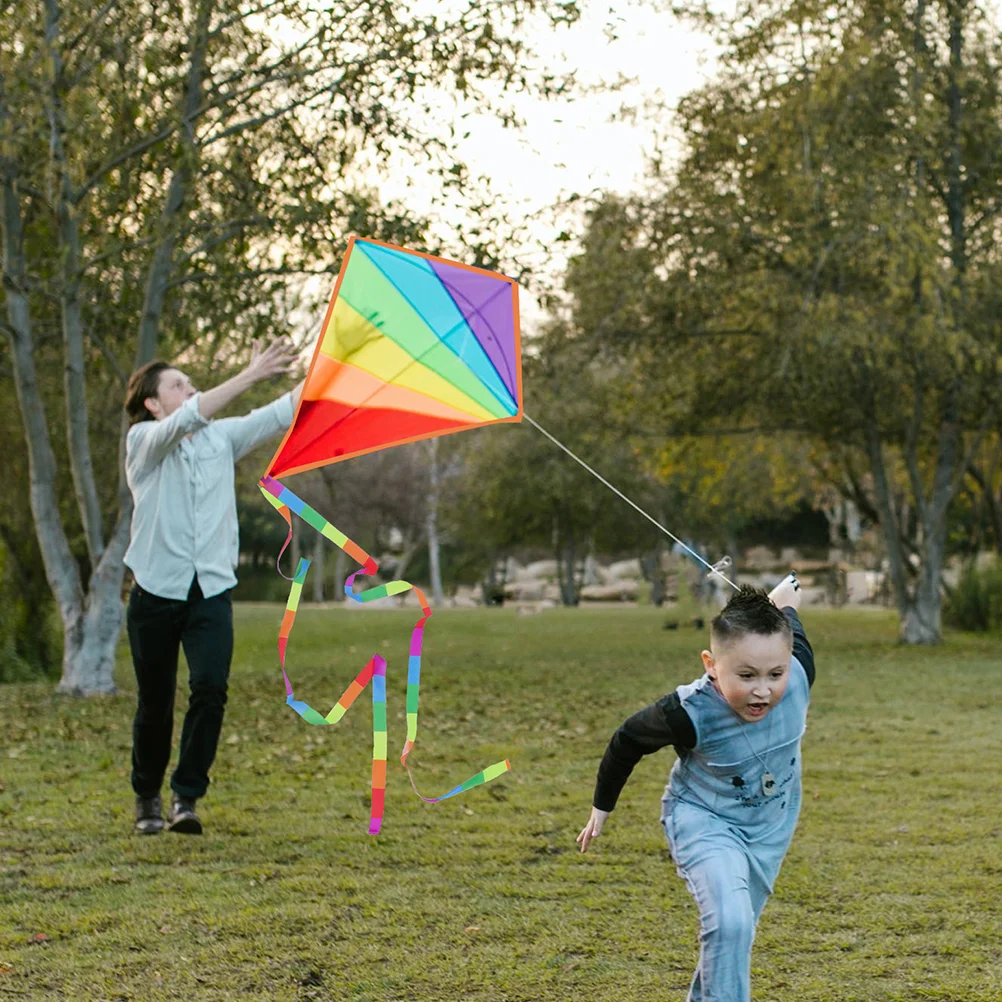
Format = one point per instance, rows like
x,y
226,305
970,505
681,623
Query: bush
x,y
976,602
30,639
265,584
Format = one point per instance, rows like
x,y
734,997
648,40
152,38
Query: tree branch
x,y
229,230
109,356
882,489
242,16
158,277
60,568
77,434
911,447
251,123
96,20
196,277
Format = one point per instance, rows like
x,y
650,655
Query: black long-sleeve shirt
x,y
664,723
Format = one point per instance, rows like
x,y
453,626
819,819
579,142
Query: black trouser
x,y
157,627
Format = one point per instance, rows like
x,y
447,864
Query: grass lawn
x,y
892,889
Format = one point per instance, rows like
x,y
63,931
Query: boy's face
x,y
751,672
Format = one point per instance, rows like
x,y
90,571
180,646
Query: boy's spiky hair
x,y
750,610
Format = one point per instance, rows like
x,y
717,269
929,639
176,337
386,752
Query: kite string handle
x,y
721,565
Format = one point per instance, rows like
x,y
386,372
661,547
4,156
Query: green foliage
x,y
520,491
976,603
186,176
887,891
30,635
823,259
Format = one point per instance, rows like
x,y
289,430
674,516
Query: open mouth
x,y
757,709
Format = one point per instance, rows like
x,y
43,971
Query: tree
x,y
172,173
519,489
822,259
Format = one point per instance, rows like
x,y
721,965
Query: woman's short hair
x,y
143,383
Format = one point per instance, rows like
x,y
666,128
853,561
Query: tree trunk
x,y
406,557
853,524
77,434
492,587
92,639
159,275
340,573
61,569
991,502
922,621
566,553
657,571
434,565
91,621
319,548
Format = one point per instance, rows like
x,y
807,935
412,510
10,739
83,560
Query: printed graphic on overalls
x,y
765,789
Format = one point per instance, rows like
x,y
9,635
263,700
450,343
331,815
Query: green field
x,y
892,889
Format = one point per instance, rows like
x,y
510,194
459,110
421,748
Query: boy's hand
x,y
787,592
593,829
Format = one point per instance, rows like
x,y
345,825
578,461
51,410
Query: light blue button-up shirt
x,y
185,517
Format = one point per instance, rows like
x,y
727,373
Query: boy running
x,y
732,800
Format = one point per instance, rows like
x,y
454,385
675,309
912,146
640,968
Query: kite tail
x,y
375,671
284,512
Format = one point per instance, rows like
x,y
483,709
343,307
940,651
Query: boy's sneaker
x,y
182,818
149,815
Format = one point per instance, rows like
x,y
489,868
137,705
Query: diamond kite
x,y
412,347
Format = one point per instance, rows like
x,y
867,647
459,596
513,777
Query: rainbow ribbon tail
x,y
375,671
484,776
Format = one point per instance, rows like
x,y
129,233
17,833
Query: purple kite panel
x,y
486,303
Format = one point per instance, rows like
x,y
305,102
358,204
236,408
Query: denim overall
x,y
727,837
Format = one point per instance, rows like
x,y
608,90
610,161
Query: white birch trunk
x,y
317,570
91,620
77,434
431,525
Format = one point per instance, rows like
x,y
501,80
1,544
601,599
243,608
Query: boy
x,y
732,800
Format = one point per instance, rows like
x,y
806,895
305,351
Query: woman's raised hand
x,y
279,357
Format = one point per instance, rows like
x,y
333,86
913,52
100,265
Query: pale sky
x,y
570,147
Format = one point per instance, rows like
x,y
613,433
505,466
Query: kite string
x,y
598,476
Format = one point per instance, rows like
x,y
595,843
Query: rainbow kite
x,y
412,347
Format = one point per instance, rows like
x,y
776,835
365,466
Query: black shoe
x,y
183,818
149,815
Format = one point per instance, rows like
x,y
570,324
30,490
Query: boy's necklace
x,y
768,779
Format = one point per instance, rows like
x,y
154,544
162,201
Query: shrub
x,y
976,602
30,639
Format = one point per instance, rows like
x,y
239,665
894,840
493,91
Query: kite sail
x,y
412,347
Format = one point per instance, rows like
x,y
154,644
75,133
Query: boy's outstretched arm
x,y
802,650
786,595
593,829
652,728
